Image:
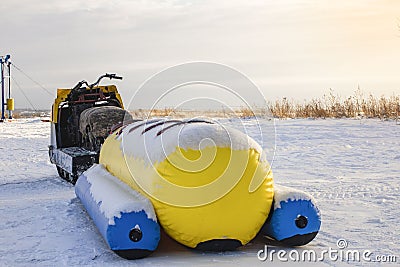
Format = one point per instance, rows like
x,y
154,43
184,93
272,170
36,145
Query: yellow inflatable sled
x,y
210,185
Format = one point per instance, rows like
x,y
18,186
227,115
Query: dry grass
x,y
144,113
332,106
23,114
181,113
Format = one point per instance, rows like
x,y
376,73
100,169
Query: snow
x,y
351,168
284,194
115,197
154,148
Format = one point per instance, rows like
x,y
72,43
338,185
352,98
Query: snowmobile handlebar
x,y
107,75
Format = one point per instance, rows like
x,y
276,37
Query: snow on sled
x,y
125,218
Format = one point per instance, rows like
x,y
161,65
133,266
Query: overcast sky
x,y
297,48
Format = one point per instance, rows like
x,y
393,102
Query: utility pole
x,y
9,102
2,90
10,109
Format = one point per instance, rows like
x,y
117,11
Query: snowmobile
x,y
82,117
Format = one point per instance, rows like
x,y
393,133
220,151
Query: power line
x,y
37,83
23,93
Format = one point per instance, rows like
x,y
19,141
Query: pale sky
x,y
297,49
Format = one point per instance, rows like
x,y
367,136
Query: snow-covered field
x,y
351,167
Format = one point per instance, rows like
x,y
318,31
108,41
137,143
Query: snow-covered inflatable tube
x,y
210,185
125,218
294,219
